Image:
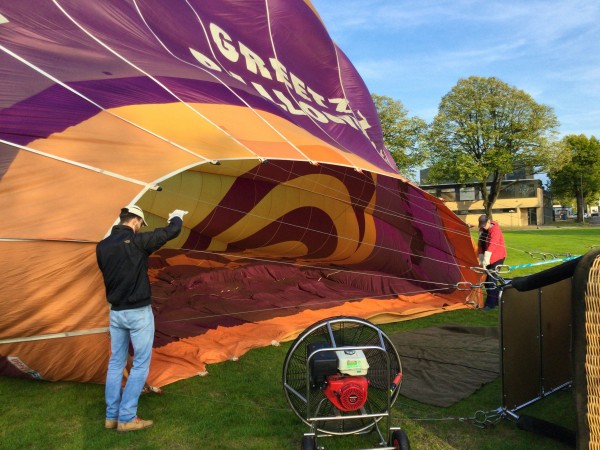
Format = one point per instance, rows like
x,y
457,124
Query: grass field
x,y
240,405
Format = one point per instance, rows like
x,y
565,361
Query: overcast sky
x,y
416,51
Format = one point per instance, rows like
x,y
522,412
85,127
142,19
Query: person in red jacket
x,y
492,252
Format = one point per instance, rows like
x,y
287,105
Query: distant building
x,y
522,201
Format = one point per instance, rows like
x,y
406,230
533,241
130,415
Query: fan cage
x,y
341,333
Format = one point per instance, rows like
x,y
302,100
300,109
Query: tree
x,y
401,134
486,129
579,177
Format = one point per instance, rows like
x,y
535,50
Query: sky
x,y
417,51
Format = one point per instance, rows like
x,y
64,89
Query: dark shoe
x,y
488,308
110,424
135,424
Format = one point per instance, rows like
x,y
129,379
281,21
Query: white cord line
x,y
365,205
392,192
352,109
340,301
396,195
280,134
159,83
214,316
144,184
270,261
266,260
309,266
68,87
268,15
43,337
82,165
241,99
76,241
121,118
215,206
92,102
341,84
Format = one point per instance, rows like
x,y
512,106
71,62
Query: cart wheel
x,y
400,440
308,443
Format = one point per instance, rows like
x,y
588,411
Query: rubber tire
x,y
308,443
400,440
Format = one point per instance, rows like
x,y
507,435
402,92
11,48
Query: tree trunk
x,y
490,199
486,199
580,203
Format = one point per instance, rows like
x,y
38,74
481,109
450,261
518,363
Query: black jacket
x,y
123,260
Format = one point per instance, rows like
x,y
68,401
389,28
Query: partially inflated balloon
x,y
245,114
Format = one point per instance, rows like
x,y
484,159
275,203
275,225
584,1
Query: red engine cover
x,y
347,393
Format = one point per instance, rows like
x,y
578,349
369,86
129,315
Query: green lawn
x,y
240,405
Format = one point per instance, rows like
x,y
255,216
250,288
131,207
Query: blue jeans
x,y
493,293
135,326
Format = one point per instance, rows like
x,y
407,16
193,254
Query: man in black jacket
x,y
123,260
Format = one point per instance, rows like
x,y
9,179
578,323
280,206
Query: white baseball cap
x,y
134,209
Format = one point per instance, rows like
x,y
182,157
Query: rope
x,y
200,115
353,241
461,284
505,269
293,307
239,314
229,88
392,213
171,93
480,419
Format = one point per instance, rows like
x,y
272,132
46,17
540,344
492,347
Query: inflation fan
x,y
342,376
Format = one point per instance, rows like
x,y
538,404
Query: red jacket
x,y
492,240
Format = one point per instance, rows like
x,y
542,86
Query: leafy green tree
x,y
402,135
579,177
486,129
